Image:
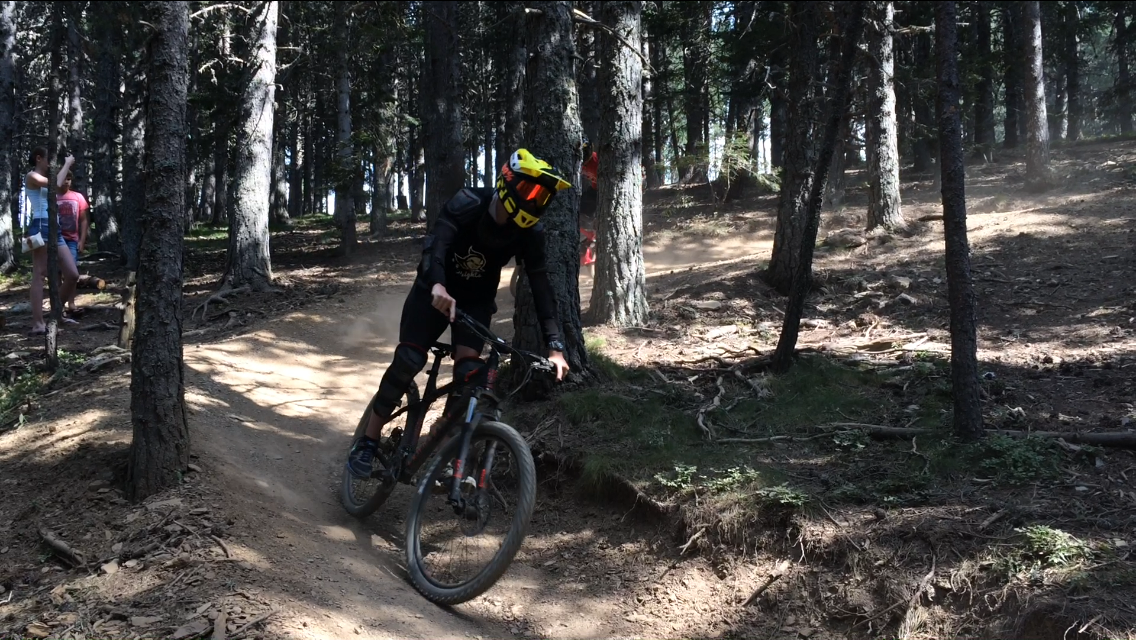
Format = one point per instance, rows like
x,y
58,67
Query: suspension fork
x,y
472,419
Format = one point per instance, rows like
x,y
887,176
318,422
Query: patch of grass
x,y
30,384
15,280
1051,547
1016,460
608,368
814,391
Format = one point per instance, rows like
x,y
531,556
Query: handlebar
x,y
533,360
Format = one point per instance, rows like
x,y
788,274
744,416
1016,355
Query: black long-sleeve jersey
x,y
467,250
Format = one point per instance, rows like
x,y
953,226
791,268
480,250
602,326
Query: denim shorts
x,y
73,245
39,225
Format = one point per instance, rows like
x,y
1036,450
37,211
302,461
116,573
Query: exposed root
x,y
703,423
220,297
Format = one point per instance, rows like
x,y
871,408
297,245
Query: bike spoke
x,y
456,547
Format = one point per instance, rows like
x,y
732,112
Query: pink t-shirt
x,y
72,207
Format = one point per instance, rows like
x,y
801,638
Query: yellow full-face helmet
x,y
525,186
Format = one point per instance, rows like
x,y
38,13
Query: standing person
x,y
73,225
477,232
35,185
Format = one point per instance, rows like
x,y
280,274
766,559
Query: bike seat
x,y
442,347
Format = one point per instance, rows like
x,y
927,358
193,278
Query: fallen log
x,y
61,548
1117,439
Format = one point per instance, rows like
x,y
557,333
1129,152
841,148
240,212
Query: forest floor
x,y
647,524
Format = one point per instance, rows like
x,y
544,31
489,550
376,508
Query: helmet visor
x,y
537,194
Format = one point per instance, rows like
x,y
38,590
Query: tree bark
x,y
619,293
295,171
838,100
133,148
1013,77
696,98
279,181
960,287
208,191
345,214
442,92
1123,79
54,92
650,173
380,191
587,78
250,261
799,150
883,140
923,146
514,89
554,134
984,88
1037,142
778,111
76,142
7,131
1073,71
159,453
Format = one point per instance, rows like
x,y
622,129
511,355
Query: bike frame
x,y
480,401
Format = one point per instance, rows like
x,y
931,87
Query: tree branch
x,y
582,18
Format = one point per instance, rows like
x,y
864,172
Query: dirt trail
x,y
272,411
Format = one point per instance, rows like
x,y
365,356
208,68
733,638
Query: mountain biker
x,y
477,232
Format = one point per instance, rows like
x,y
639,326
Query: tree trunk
x,y
133,148
835,185
380,192
442,92
587,80
883,142
417,177
1056,116
279,203
554,129
619,293
799,152
514,90
308,167
208,187
1012,79
696,98
658,90
54,92
960,287
250,261
76,142
1037,142
984,102
159,453
778,108
295,171
1123,79
7,131
837,109
923,147
1073,71
345,214
650,173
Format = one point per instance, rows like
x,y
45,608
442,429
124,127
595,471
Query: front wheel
x,y
453,558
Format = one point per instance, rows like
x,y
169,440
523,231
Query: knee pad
x,y
408,361
466,371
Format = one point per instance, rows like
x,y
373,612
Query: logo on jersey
x,y
471,265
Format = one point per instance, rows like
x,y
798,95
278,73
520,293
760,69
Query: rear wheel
x,y
363,496
454,558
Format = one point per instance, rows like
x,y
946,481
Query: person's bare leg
x,y
39,268
70,275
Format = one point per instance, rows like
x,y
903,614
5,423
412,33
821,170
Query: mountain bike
x,y
476,496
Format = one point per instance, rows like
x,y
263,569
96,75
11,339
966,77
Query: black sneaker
x,y
361,460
